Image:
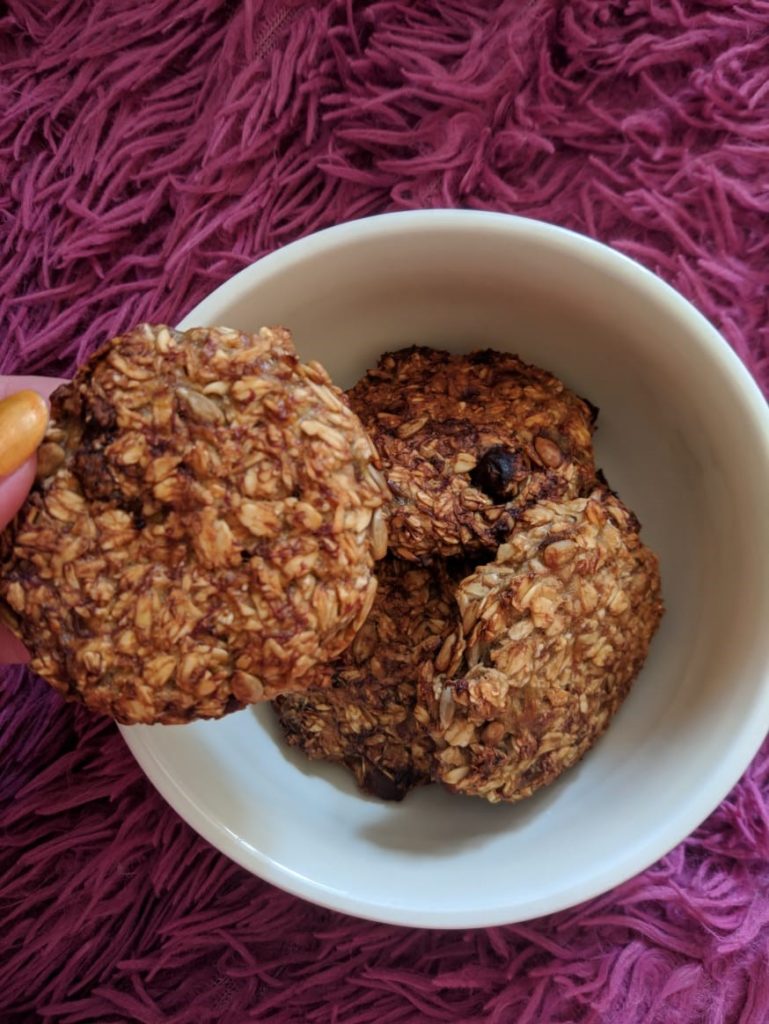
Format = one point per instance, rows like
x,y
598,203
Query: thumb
x,y
13,491
23,419
19,429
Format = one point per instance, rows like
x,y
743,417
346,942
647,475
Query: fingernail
x,y
23,419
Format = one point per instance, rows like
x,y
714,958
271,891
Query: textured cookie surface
x,y
556,628
469,441
203,529
365,718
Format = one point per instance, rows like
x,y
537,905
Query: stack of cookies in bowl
x,y
516,603
427,575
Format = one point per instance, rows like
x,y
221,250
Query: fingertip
x,y
24,418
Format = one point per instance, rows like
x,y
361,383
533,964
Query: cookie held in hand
x,y
203,528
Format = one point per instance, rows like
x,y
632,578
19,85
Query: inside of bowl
x,y
679,438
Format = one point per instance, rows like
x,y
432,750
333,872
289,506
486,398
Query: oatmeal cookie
x,y
365,718
556,629
468,442
203,528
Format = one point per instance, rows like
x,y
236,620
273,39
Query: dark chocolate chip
x,y
497,470
594,410
386,788
483,357
102,412
503,528
96,482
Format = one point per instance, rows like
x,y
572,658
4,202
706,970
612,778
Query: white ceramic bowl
x,y
683,436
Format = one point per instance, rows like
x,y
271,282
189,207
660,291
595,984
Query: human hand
x,y
22,424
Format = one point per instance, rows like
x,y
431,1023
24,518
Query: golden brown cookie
x,y
469,441
556,629
203,528
365,718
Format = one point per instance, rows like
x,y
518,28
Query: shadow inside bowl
x,y
432,822
429,821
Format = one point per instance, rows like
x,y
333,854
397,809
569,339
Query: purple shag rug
x,y
148,150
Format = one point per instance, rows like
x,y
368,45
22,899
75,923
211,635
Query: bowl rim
x,y
702,800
